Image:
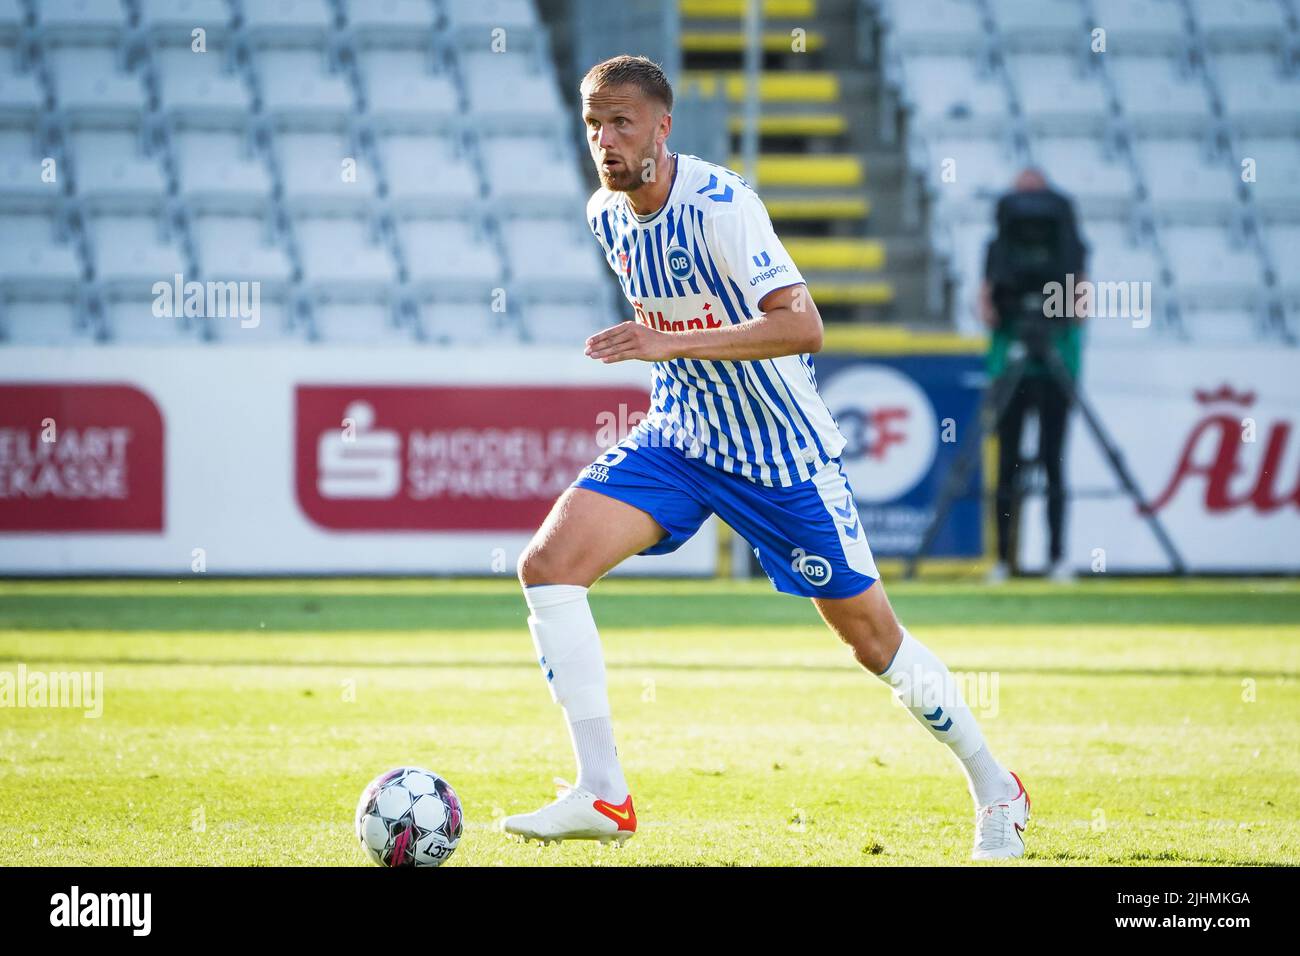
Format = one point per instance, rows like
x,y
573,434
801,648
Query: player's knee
x,y
538,565
875,642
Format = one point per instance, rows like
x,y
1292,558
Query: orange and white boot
x,y
577,814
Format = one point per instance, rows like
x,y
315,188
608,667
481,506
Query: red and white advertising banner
x,y
301,461
1212,437
80,458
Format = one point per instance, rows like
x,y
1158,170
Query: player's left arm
x,y
789,325
744,246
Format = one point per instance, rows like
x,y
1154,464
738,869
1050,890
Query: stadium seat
x,y
34,260
297,89
112,173
449,251
198,88
949,93
979,171
1100,184
1257,97
131,322
1283,240
1238,24
428,173
1208,267
22,186
290,22
388,21
491,13
403,94
1185,184
131,253
12,17
173,21
240,248
1276,188
1157,98
466,322
551,251
532,172
359,324
91,90
563,323
1059,92
933,26
21,98
1220,326
44,323
61,21
1137,27
218,172
321,172
532,93
1040,25
1116,255
341,256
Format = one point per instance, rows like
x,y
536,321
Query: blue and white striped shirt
x,y
704,260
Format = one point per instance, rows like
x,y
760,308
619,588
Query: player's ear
x,y
665,127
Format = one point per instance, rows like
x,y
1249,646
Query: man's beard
x,y
625,178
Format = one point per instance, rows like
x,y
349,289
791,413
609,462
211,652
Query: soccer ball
x,y
409,817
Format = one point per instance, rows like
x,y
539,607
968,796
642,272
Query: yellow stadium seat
x,y
795,124
832,169
720,9
815,253
734,42
852,293
830,207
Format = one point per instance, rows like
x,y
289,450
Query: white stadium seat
x,y
1059,92
1257,96
934,26
216,170
1185,183
1238,24
1040,25
1209,267
48,323
1100,184
341,255
113,173
1157,97
241,249
427,172
131,253
1135,27
321,172
948,92
449,250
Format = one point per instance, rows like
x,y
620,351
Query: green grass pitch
x,y
1153,722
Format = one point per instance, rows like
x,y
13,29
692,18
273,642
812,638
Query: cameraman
x,y
1037,242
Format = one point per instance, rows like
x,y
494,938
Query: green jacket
x,y
1068,342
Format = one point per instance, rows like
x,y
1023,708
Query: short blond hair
x,y
626,70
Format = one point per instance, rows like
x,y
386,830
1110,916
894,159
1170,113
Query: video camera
x,y
1037,242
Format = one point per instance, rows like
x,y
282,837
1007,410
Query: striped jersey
x,y
705,260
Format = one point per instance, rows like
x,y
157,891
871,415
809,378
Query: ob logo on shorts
x,y
815,569
679,263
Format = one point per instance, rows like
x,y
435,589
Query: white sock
x,y
598,767
568,649
927,689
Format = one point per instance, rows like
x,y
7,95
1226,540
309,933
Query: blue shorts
x,y
807,537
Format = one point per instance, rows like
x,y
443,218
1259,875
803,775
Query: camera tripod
x,y
1033,344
